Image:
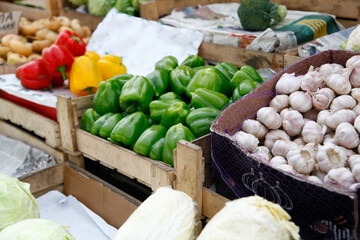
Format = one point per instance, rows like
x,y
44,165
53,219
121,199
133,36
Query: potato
x,y
2,60
9,53
4,51
52,23
65,22
39,45
16,58
20,47
86,40
77,27
46,34
87,31
5,41
29,29
65,28
34,56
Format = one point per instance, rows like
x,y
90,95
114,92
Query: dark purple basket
x,y
320,212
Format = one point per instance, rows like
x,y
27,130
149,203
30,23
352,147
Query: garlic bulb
x,y
293,122
356,110
245,140
283,112
353,61
346,135
357,124
355,76
301,101
312,81
277,161
287,84
262,153
355,93
313,132
347,151
274,135
255,128
339,116
330,156
279,102
330,68
314,179
343,102
356,172
354,187
318,173
312,114
301,159
299,141
329,138
289,169
282,147
353,160
322,116
339,83
340,177
312,147
269,117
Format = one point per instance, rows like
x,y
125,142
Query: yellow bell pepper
x,y
93,55
111,66
85,76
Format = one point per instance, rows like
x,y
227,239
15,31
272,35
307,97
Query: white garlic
x,y
348,152
355,76
293,122
340,177
312,114
287,84
356,110
329,138
343,102
353,160
312,147
346,135
255,128
330,156
318,173
355,93
339,116
312,81
282,147
357,124
314,179
300,101
313,132
273,136
245,140
330,68
269,117
262,153
353,61
277,161
339,83
279,102
289,169
356,172
354,187
322,116
299,141
301,159
283,112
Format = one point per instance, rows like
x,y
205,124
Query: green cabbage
x,y
78,2
100,7
36,229
16,201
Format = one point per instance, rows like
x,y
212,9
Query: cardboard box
x,y
321,212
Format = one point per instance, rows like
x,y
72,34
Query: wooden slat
x,y
148,10
30,13
212,202
59,188
125,161
34,122
81,104
19,134
288,60
113,205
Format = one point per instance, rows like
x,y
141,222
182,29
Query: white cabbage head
x,y
36,229
16,201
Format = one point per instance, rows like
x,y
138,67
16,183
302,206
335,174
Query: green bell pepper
x,y
174,114
200,120
180,78
159,79
109,125
166,64
88,119
158,107
227,70
173,135
106,98
196,69
129,129
249,70
170,95
136,95
203,97
193,61
148,138
204,78
157,149
244,88
95,128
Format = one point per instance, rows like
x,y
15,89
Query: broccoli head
x,y
258,15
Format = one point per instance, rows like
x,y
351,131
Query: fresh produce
x,y
165,213
16,201
157,149
266,221
180,78
174,114
100,7
88,119
193,61
33,75
166,64
95,128
203,97
170,95
159,79
109,124
200,120
353,42
148,138
57,60
204,78
258,15
158,107
312,126
72,42
42,229
111,66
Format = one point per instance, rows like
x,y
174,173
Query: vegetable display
x,y
149,115
311,127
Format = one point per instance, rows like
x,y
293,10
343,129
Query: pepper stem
x,y
61,69
76,39
89,89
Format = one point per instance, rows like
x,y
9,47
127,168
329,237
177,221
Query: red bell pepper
x,y
72,42
19,71
33,75
57,60
57,82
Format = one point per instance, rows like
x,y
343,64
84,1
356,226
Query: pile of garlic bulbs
x,y
311,127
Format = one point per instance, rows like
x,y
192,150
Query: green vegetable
x,y
88,119
148,138
174,114
95,128
170,95
109,125
180,78
253,74
173,135
100,7
193,61
244,88
157,149
125,6
203,97
39,229
158,107
77,3
166,64
204,78
16,202
201,119
256,15
159,79
128,130
245,73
